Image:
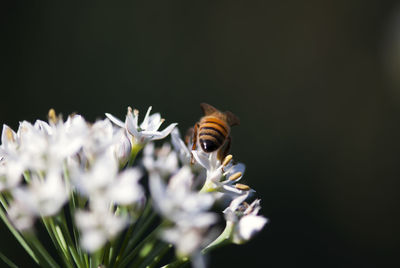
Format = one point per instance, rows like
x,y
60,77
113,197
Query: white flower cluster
x,y
44,166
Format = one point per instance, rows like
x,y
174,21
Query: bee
x,y
212,132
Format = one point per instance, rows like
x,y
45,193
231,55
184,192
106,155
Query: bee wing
x,y
232,119
208,109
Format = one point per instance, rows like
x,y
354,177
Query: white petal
x,y
92,240
131,125
145,122
154,122
115,120
238,200
250,225
158,135
181,181
202,159
126,189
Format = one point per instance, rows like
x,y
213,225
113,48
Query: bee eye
x,y
208,145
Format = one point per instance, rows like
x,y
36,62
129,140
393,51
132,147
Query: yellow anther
x,y
235,176
136,112
242,187
227,159
9,135
52,116
162,120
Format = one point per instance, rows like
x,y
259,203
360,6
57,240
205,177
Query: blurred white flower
x,y
244,219
103,184
187,210
10,174
97,227
21,215
41,146
99,139
164,161
183,150
147,130
42,197
123,147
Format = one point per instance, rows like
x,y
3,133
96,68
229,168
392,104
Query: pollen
x,y
243,187
52,116
235,176
9,135
227,160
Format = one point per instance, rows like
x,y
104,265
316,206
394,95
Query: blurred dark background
x,y
315,84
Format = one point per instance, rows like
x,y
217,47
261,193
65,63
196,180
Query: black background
x,y
315,84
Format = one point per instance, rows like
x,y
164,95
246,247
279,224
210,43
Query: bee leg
x,y
189,136
224,150
194,139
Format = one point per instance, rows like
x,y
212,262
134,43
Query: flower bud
x,y
122,148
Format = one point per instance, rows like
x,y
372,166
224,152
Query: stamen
x,y
52,116
227,159
235,176
129,109
9,135
136,112
242,187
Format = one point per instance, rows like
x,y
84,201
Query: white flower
x,y
123,147
183,150
41,146
222,177
9,141
21,215
10,173
244,219
164,161
125,189
42,197
105,187
99,139
147,130
97,226
185,209
103,184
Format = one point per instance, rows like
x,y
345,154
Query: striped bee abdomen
x,y
212,133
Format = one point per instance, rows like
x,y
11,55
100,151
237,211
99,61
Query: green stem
x,y
223,239
177,263
106,254
62,251
140,231
208,187
155,255
95,259
131,240
14,231
45,260
74,202
138,248
136,147
7,261
122,248
62,225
